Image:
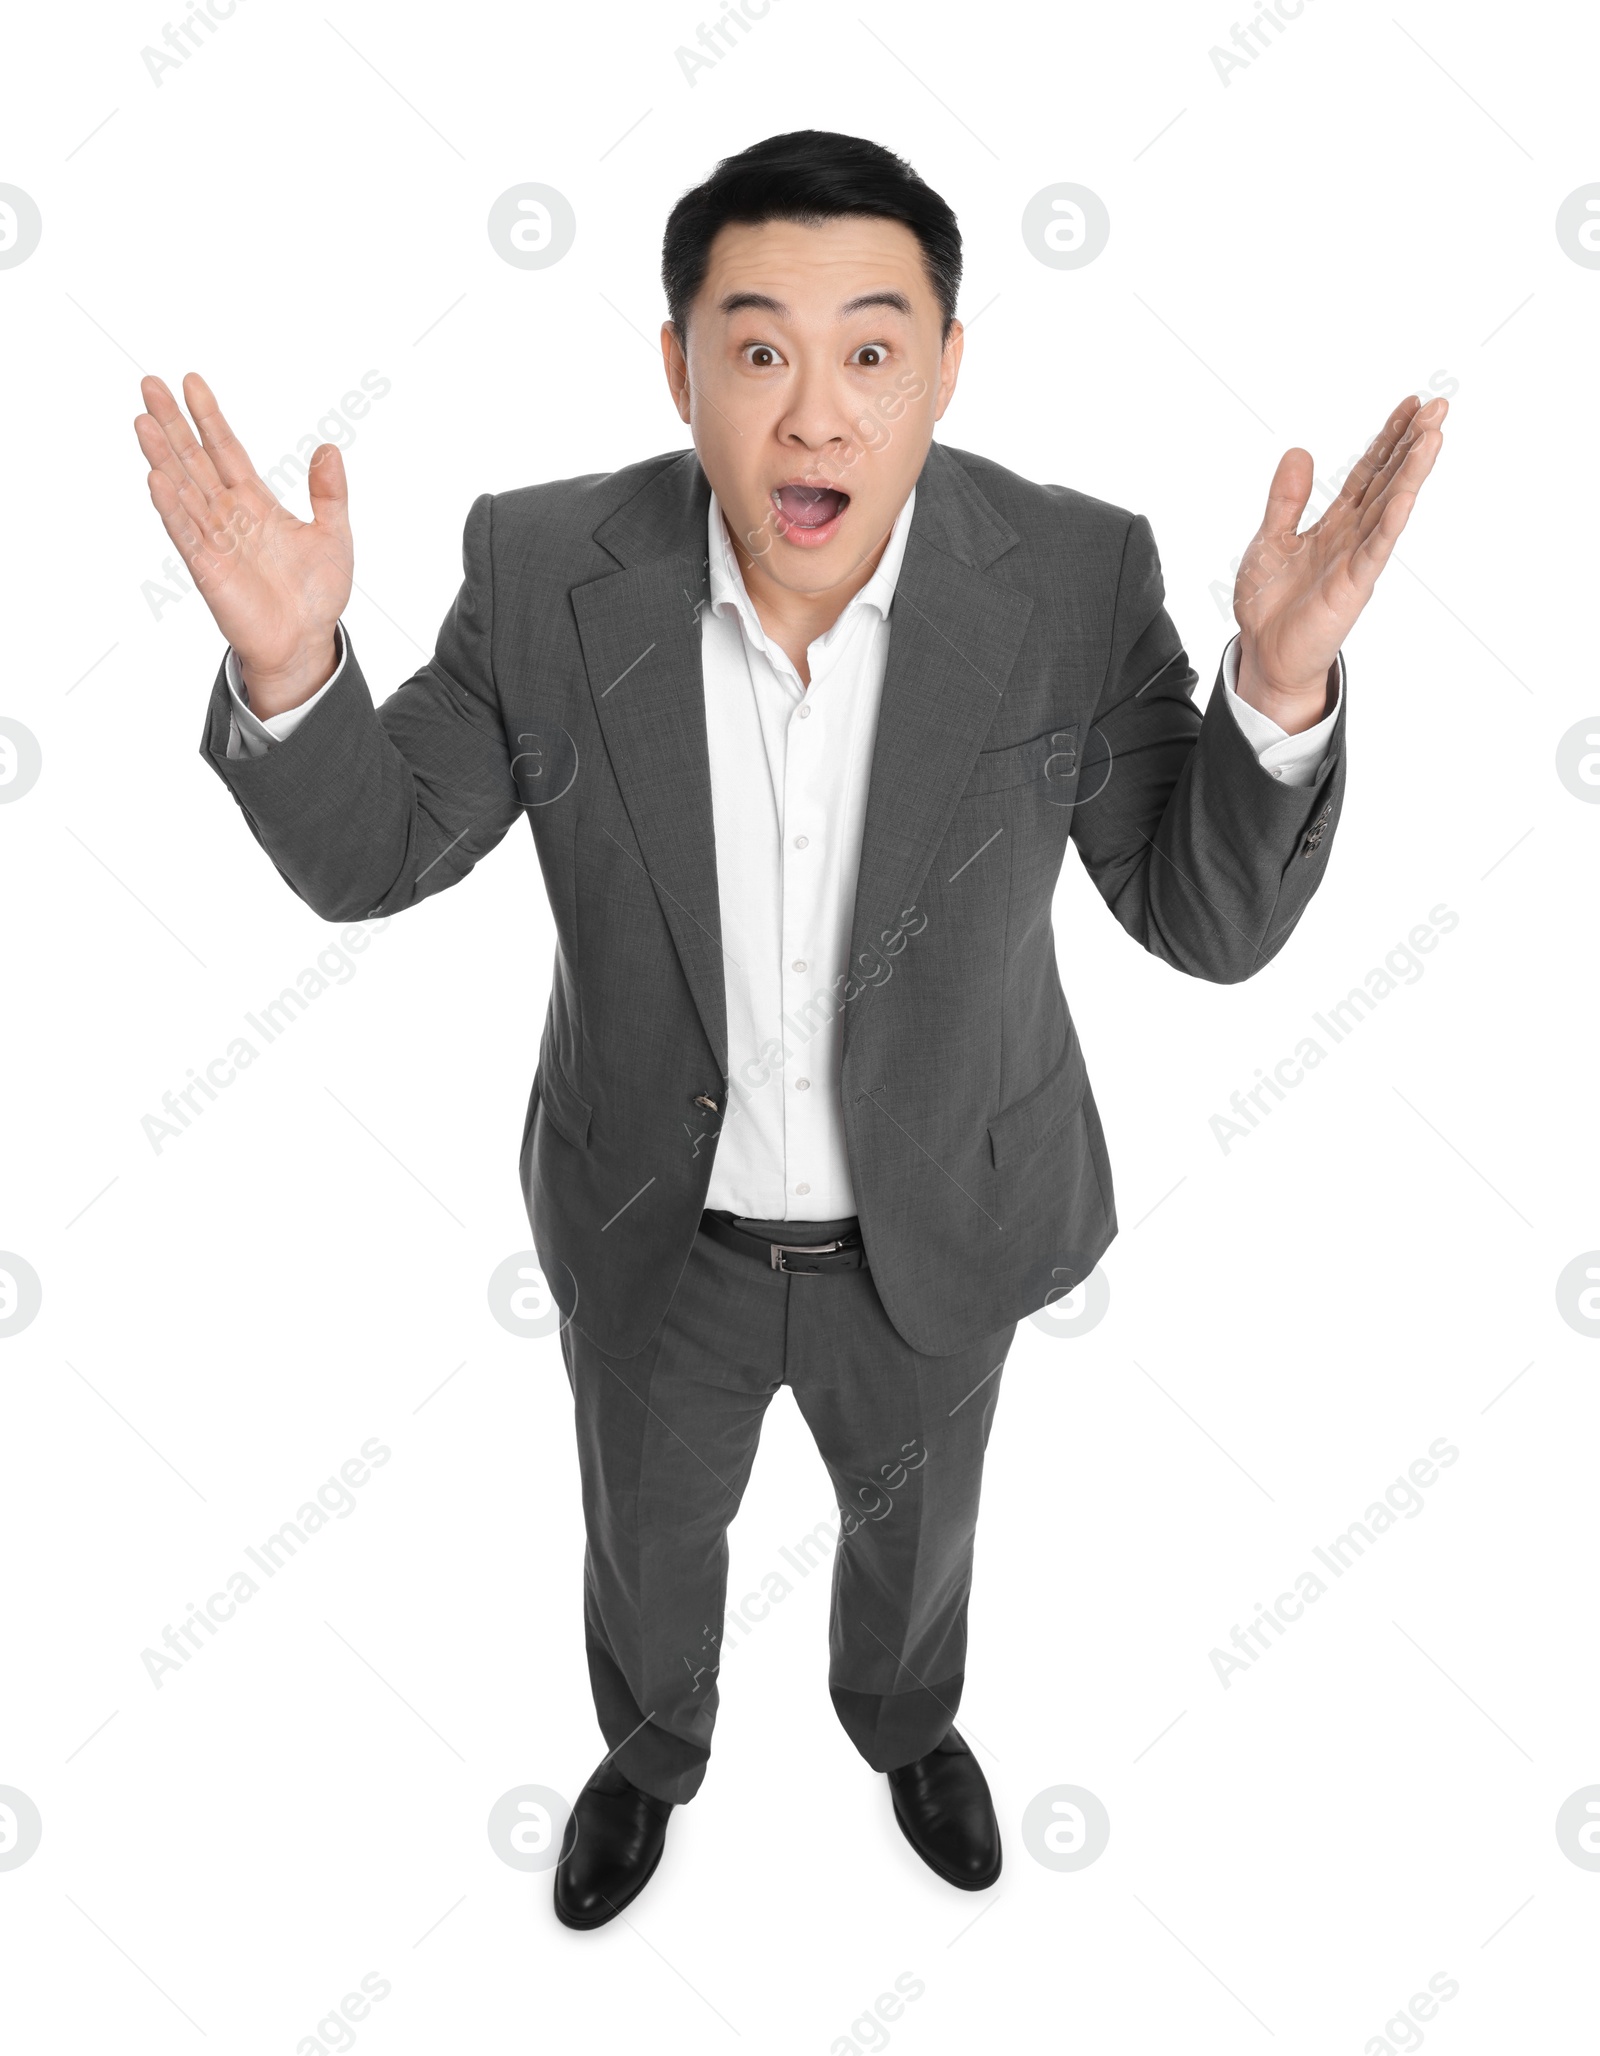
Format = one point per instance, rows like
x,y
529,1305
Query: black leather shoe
x,y
943,1806
610,1851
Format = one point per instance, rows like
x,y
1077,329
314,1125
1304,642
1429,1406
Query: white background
x,y
1367,209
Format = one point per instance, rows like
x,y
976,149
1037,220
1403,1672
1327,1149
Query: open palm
x,y
1297,594
276,585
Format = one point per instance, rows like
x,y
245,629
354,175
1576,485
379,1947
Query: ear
x,y
949,367
676,365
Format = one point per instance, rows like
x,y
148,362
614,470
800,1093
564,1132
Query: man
x,y
801,721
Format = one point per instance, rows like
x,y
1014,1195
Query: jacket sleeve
x,y
364,810
1203,856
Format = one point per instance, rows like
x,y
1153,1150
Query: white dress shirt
x,y
789,771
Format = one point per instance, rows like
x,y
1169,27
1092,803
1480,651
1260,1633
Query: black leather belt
x,y
842,1251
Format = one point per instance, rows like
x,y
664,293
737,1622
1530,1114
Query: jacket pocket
x,y
1049,760
568,1111
1019,1129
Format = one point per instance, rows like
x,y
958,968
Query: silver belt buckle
x,y
809,1248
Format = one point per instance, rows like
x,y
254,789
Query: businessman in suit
x,y
801,720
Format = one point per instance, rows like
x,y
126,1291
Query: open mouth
x,y
808,515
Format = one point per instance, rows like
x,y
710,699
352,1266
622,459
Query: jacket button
x,y
702,1100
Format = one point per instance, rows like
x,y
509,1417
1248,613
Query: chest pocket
x,y
1048,761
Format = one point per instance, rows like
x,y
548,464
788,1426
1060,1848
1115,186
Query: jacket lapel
x,y
640,630
953,638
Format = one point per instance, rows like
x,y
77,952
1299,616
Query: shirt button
x,y
1277,771
802,1085
799,964
800,841
805,713
802,1188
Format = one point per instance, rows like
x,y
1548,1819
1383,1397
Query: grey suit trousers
x,y
666,1439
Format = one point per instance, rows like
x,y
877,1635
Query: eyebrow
x,y
764,303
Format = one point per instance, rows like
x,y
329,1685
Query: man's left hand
x,y
1298,595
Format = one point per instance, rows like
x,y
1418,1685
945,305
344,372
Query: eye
x,y
761,356
874,355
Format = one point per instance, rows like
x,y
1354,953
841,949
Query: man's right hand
x,y
276,586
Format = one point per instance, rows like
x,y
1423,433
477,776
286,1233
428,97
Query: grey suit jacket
x,y
1036,689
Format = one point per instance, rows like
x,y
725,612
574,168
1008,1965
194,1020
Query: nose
x,y
817,416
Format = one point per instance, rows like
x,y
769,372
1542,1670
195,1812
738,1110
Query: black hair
x,y
808,176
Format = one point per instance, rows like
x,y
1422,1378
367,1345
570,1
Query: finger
x,y
191,459
330,490
1372,553
223,447
159,453
184,490
1406,477
1288,493
1377,453
189,534
1424,420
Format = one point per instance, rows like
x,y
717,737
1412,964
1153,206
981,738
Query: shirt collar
x,y
728,587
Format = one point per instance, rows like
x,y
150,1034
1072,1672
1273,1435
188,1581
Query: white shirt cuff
x,y
1296,759
248,734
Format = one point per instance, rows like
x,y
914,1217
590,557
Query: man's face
x,y
814,375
